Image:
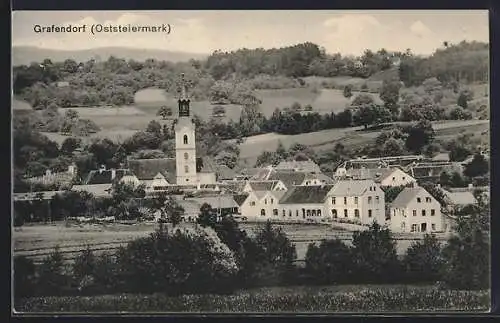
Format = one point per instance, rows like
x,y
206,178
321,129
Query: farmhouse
x,y
390,176
415,210
304,203
359,201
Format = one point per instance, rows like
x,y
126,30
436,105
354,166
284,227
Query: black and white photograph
x,y
253,162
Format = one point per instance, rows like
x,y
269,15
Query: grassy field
x,y
37,241
318,299
252,147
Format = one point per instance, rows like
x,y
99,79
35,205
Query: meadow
x,y
293,299
38,240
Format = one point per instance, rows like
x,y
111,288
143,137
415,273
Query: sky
x,y
338,31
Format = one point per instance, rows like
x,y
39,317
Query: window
x,y
403,226
403,180
186,169
370,188
428,199
414,212
272,201
284,212
334,213
318,213
356,213
356,200
263,212
369,213
419,200
313,213
265,201
394,213
377,199
369,200
423,227
403,213
433,212
393,179
433,227
308,213
296,212
345,200
413,228
275,212
185,139
252,203
333,200
289,213
186,156
345,213
423,212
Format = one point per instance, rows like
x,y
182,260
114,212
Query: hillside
x,y
27,54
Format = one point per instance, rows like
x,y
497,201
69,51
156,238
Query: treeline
x,y
219,257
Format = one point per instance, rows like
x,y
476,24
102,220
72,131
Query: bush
x,y
189,261
24,276
53,278
423,260
375,255
330,262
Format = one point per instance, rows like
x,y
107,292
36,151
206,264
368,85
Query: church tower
x,y
185,144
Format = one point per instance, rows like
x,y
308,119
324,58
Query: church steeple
x,y
183,99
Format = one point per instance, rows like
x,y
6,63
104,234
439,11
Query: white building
x,y
305,203
259,205
415,210
360,201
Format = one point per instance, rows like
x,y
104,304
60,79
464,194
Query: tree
x,y
375,255
52,279
419,136
467,258
165,112
477,167
154,127
389,94
69,145
348,91
423,260
394,147
330,262
207,216
459,153
431,150
173,211
462,100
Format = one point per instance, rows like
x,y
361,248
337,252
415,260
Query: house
x,y
431,171
252,186
390,176
459,197
415,210
106,176
295,178
304,203
222,204
260,205
307,166
157,174
360,201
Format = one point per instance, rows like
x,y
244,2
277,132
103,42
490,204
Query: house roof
x,y
217,202
262,185
147,169
208,165
377,174
258,174
105,176
240,198
441,157
351,187
302,165
289,178
406,196
236,186
461,198
306,194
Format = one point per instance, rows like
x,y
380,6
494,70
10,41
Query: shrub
x,y
189,261
423,260
52,275
330,262
24,276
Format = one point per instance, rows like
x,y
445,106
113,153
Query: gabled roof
x,y
147,169
406,196
217,202
460,198
306,194
302,165
377,174
208,165
96,177
351,187
289,178
240,198
262,185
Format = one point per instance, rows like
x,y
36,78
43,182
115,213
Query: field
x,y
38,240
254,146
294,299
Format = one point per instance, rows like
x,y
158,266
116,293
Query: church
x,y
184,172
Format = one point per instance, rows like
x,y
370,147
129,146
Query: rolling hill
x,y
27,54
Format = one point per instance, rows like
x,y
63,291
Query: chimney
x,y
113,174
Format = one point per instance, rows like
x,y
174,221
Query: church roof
x,y
147,169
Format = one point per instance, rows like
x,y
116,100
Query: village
x,y
294,191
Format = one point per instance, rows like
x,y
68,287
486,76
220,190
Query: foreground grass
x,y
293,299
